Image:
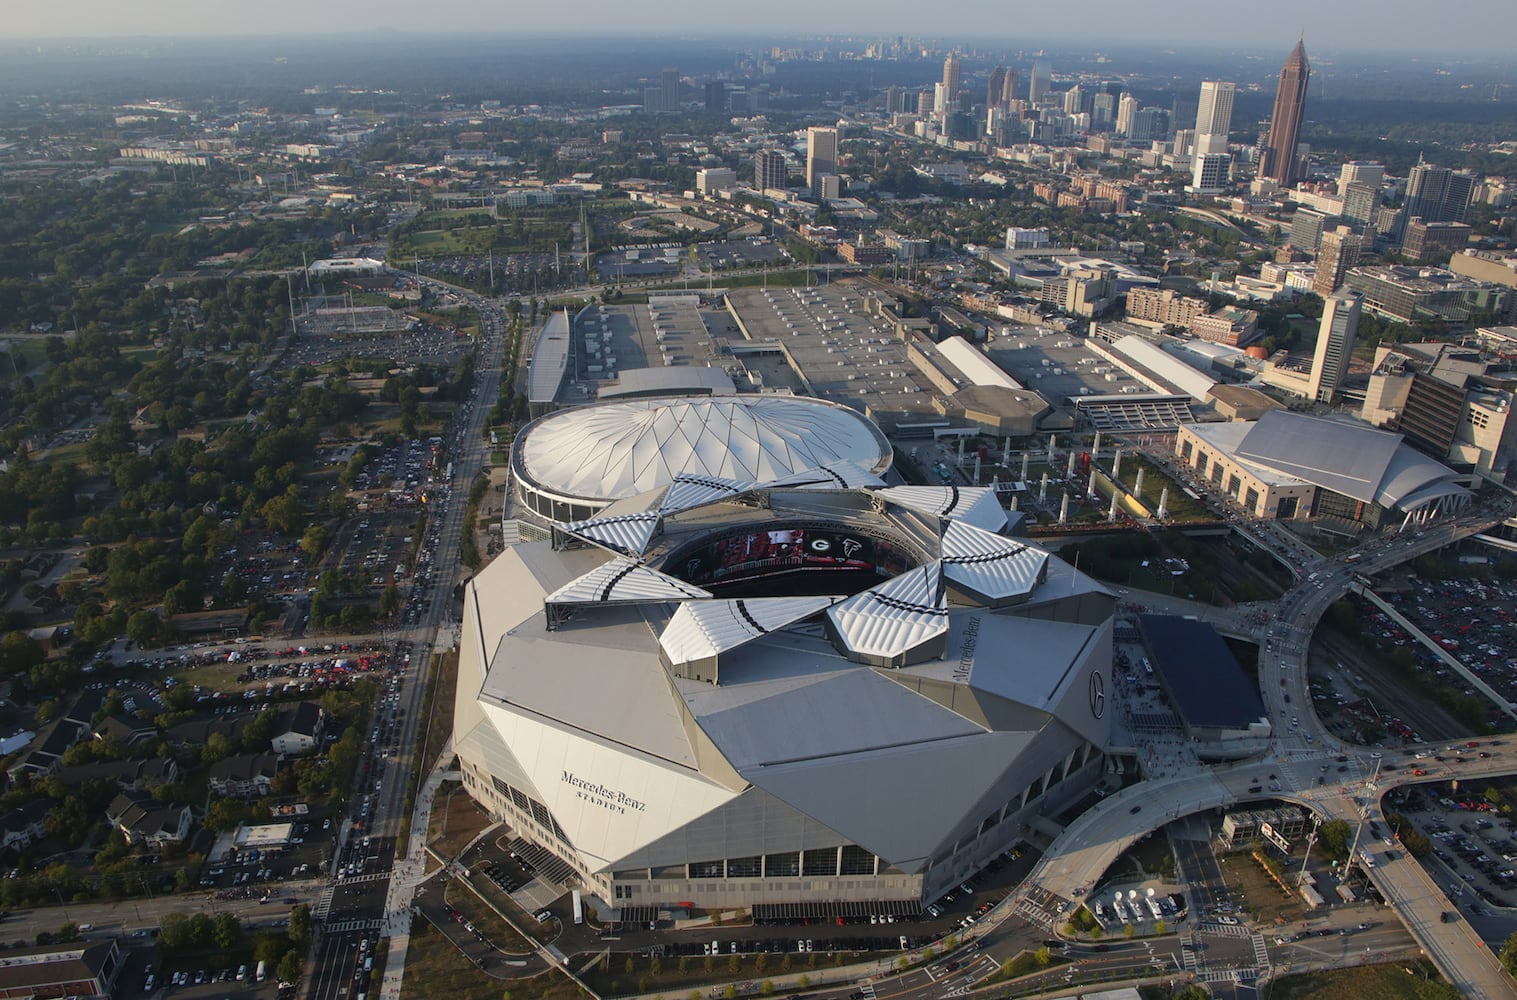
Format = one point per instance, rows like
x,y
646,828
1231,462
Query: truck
x,y
579,909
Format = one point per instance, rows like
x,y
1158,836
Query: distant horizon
x,y
1346,26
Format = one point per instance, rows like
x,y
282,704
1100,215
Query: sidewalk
x,y
409,874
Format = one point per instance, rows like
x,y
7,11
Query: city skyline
x,y
1183,22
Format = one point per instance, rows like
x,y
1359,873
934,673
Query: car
x,y
1135,810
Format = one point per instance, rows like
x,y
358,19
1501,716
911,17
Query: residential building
x,y
1335,344
1360,201
1340,250
142,821
298,728
994,86
716,96
1360,172
1279,161
244,775
80,970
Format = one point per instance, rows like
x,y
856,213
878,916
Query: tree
x,y
142,628
288,970
1335,836
227,932
300,926
1509,955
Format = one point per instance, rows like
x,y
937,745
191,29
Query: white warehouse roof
x,y
1165,366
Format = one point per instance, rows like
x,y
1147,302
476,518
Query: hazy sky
x,y
1399,25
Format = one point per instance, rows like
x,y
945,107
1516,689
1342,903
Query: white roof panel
x,y
889,621
623,580
690,490
992,566
832,476
626,533
702,629
976,505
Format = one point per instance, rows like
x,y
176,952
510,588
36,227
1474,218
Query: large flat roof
x,y
1202,675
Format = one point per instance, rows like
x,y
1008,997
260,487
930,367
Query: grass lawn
x,y
1390,981
434,968
456,819
1268,903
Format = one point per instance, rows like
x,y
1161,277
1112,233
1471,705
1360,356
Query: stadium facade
x,y
813,689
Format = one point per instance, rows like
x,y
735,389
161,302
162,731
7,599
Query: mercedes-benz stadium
x,y
812,689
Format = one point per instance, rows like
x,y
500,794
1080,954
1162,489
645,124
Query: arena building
x,y
809,694
572,464
1292,466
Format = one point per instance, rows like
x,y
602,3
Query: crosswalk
x,y
1225,930
1243,975
371,877
324,903
1261,952
354,925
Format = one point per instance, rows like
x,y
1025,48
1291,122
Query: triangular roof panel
x,y
895,622
626,533
622,581
992,567
700,630
976,505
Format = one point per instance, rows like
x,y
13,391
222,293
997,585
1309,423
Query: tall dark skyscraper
x,y
669,90
994,86
1285,124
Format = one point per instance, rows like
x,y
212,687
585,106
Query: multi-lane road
x,y
355,907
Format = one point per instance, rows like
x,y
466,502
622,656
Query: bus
x,y
579,909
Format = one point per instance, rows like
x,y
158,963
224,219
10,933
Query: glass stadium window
x,y
520,800
822,862
1233,482
1201,464
501,787
857,861
541,814
558,831
1251,499
1287,508
990,821
1216,475
782,864
1185,450
708,869
745,867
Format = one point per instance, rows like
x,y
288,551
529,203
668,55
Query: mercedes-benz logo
x,y
1097,694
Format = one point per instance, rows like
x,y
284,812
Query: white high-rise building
x,y
1209,172
1214,116
1335,342
1126,108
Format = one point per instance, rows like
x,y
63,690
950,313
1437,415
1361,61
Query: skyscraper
x,y
769,170
1037,89
1126,108
821,154
994,86
1009,89
951,80
1339,250
716,96
1335,342
669,90
1214,116
1279,161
